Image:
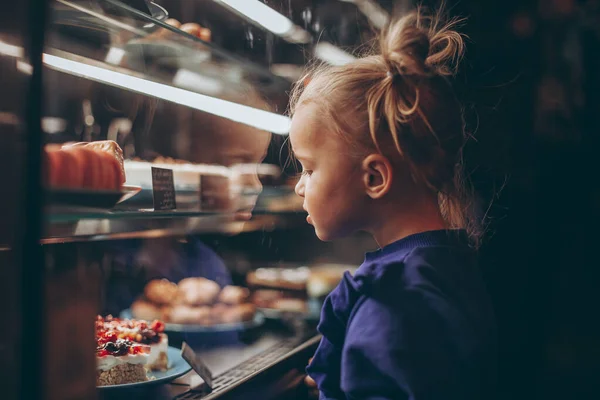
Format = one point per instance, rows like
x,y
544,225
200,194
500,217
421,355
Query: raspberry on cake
x,y
119,361
141,332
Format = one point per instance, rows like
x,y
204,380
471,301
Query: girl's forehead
x,y
307,129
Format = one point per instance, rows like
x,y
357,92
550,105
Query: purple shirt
x,y
415,322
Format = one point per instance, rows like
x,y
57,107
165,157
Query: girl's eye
x,y
307,172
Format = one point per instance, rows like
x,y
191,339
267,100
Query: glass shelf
x,y
69,225
138,44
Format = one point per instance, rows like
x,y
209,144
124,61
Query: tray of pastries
x,y
196,305
287,290
170,49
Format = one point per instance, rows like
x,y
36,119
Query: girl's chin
x,y
323,235
328,235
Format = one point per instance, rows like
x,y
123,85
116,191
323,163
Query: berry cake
x,y
119,361
140,332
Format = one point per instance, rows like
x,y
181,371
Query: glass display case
x,y
147,178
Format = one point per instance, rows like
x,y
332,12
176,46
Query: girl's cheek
x,y
309,183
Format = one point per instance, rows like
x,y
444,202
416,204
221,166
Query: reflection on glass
x,y
185,282
226,154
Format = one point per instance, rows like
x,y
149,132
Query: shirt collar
x,y
443,237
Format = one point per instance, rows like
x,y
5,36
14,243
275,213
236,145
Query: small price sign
x,y
163,189
197,365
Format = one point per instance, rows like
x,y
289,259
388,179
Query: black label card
x,y
163,189
197,365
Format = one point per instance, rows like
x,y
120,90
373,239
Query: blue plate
x,y
257,321
177,367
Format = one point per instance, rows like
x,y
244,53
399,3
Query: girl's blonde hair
x,y
399,103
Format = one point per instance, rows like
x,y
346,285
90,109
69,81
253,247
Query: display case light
x,y
193,81
261,119
332,54
269,19
373,11
264,120
11,50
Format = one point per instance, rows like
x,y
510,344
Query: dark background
x,y
530,84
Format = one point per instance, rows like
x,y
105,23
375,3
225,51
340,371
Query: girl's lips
x,y
309,219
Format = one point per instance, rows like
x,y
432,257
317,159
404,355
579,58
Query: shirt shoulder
x,y
431,268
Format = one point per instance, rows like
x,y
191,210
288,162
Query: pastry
x,y
191,28
199,291
264,298
173,22
142,309
183,314
194,29
238,313
281,278
64,169
104,146
161,291
140,332
114,175
119,361
322,281
233,295
197,301
163,33
94,172
95,166
205,34
290,305
217,312
112,148
278,300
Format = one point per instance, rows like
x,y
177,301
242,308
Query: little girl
x,y
380,142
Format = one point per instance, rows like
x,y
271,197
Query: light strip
x,y
196,82
11,50
270,19
260,119
332,54
373,11
25,67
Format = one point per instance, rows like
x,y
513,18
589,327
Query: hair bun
x,y
417,44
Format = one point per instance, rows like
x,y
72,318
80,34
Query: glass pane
x,y
116,37
231,268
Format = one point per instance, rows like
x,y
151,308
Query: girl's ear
x,y
377,175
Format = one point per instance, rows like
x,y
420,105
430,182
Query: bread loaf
x,y
110,147
94,166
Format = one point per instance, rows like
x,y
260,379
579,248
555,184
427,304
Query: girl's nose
x,y
300,187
